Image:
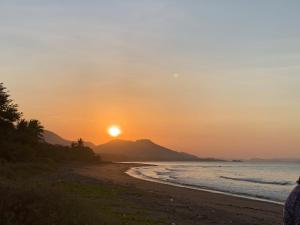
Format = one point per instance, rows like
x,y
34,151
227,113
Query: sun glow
x,y
114,131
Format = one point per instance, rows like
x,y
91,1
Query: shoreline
x,y
142,177
184,205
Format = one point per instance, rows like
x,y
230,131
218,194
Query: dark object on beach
x,y
292,207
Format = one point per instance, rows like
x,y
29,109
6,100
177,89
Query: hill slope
x,y
52,138
140,150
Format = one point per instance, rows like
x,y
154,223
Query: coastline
x,y
186,205
131,173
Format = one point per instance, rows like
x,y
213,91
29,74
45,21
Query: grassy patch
x,y
45,206
88,190
111,208
37,194
19,171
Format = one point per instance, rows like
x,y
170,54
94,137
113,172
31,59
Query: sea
x,y
264,181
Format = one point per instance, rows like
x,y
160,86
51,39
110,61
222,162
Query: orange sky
x,y
216,80
217,125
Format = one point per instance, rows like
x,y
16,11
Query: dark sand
x,y
183,206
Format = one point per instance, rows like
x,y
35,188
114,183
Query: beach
x,y
178,205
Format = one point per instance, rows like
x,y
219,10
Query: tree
x,y
36,129
8,110
29,132
9,114
78,144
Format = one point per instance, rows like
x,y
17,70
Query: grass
x,y
108,202
19,171
38,194
87,190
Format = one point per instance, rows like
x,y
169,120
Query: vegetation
x,y
22,140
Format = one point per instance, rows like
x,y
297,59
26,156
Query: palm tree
x,y
30,131
36,129
80,143
8,110
9,114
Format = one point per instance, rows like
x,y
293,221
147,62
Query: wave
x,y
258,181
134,172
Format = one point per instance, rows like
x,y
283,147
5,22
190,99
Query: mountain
x,y
52,138
121,150
140,150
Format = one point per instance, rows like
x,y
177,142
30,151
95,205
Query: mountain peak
x,y
140,150
145,141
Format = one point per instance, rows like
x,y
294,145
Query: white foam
x,y
174,175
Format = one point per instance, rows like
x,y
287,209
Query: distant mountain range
x,y
295,160
121,150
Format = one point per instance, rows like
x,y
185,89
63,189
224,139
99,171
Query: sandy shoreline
x,y
186,206
131,172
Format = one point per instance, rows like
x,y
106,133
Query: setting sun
x,y
114,131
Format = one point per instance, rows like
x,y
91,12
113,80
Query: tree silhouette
x,y
8,110
30,132
8,114
36,129
78,144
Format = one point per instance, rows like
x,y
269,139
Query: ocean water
x,y
268,181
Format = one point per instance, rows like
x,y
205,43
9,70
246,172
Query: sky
x,y
213,78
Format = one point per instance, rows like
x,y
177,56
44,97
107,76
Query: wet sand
x,y
183,206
